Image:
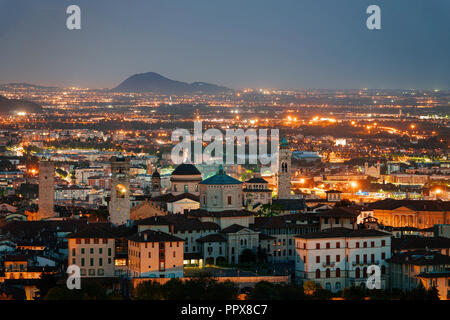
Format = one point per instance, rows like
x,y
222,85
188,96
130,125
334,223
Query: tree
x,y
265,291
353,293
247,256
310,288
343,203
89,291
46,282
174,290
226,290
149,290
270,210
292,292
432,294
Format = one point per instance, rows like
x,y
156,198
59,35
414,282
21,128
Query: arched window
x,y
357,275
338,273
317,274
338,286
328,273
364,272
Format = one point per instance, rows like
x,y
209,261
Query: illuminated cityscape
x,y
94,206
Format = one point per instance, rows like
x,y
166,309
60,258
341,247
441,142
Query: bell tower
x,y
284,170
119,206
46,189
156,184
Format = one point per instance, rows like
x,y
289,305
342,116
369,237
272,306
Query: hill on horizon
x,y
15,105
156,83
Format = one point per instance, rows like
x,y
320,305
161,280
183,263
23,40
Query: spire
x,y
284,143
221,171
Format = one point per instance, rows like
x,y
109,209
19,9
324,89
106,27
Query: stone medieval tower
x,y
156,184
284,170
119,205
46,190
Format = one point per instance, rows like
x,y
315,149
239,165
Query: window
x,y
318,274
229,200
338,258
357,244
100,250
92,272
100,272
149,254
338,245
186,188
91,251
73,252
383,255
365,244
105,241
87,241
372,244
317,259
317,245
337,220
96,241
109,251
91,262
327,273
372,258
357,273
357,258
328,260
383,243
100,261
338,273
328,245
78,241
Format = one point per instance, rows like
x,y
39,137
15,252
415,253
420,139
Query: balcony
x,y
328,264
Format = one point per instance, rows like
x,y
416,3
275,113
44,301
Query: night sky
x,y
236,43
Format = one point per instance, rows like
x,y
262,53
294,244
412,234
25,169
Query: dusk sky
x,y
236,43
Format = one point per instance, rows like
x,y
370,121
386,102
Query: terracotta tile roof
x,y
343,233
216,237
416,205
420,258
153,236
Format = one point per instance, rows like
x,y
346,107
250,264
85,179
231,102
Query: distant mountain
x,y
23,85
14,105
156,83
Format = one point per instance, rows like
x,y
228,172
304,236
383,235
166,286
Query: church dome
x,y
186,169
